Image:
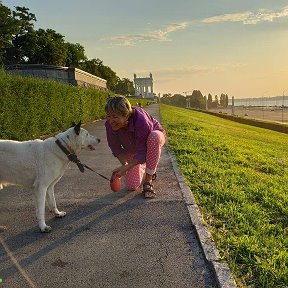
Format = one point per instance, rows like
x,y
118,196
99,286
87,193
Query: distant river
x,y
265,101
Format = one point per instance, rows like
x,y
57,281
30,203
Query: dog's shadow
x,y
90,215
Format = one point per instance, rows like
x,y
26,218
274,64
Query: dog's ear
x,y
77,128
73,124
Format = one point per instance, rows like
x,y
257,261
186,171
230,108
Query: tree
x,y
108,74
209,101
216,102
166,98
8,28
124,87
23,19
226,100
92,66
20,43
49,48
97,68
75,54
197,100
41,46
222,100
178,100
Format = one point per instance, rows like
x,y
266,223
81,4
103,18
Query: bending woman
x,y
136,139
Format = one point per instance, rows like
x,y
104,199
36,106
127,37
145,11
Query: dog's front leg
x,y
52,202
40,195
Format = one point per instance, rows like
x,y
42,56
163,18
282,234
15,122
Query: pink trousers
x,y
134,176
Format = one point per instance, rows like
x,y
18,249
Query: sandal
x,y
154,176
148,190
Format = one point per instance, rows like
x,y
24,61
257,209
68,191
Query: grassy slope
x,y
239,176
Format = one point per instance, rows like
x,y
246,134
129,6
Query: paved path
x,y
107,239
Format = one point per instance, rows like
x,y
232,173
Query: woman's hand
x,y
121,171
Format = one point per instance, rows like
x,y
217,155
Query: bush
x,y
31,107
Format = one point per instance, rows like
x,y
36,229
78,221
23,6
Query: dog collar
x,y
71,156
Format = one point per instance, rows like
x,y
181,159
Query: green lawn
x,y
239,176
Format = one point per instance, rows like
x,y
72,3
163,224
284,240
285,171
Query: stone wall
x,y
69,75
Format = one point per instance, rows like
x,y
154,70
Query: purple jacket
x,y
133,138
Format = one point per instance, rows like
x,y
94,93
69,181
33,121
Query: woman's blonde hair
x,y
118,105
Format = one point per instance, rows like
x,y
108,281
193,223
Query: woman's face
x,y
117,122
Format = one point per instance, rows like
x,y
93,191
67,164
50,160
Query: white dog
x,y
40,164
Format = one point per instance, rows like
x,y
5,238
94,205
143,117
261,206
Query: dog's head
x,y
79,138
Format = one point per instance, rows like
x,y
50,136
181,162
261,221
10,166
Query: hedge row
x,y
31,107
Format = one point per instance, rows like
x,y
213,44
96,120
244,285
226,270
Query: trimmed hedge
x,y
32,107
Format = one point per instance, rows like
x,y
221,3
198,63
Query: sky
x,y
235,47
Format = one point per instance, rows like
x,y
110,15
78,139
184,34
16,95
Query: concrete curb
x,y
221,270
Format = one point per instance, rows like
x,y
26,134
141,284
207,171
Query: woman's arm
x,y
122,170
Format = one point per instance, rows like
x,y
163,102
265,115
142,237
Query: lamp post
x,y
263,95
283,95
188,104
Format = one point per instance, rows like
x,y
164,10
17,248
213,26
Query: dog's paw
x,y
46,229
60,214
